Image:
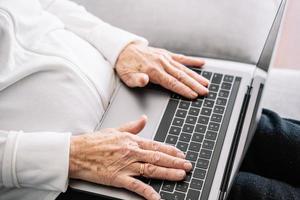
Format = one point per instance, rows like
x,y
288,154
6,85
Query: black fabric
x,y
271,168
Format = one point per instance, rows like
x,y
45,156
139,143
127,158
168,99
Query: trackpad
x,y
129,104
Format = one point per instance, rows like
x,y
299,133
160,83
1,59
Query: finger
x,y
135,79
157,172
134,126
191,73
140,188
171,83
181,76
157,146
163,160
188,60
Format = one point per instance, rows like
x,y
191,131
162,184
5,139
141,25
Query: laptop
x,y
214,131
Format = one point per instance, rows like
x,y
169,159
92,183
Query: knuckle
x,y
151,169
134,185
180,56
160,57
156,156
148,191
172,83
155,146
124,150
175,162
153,71
180,76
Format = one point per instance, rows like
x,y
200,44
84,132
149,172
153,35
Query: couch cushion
x,y
234,30
282,93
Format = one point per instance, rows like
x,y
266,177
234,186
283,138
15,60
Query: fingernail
x,y
206,90
187,165
194,94
155,196
182,174
180,155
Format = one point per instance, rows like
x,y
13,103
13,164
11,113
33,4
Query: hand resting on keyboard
x,y
116,156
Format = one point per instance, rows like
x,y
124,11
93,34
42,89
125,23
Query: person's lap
x,y
271,168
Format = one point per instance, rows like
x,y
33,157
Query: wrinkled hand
x,y
115,156
138,64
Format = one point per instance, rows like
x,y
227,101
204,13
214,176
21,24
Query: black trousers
x,y
270,170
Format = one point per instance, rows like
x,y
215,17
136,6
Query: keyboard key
x,y
169,196
204,153
193,166
197,103
203,120
216,118
211,135
175,96
184,105
226,86
208,103
200,128
182,186
182,146
207,144
156,184
171,139
212,95
181,113
199,173
213,126
197,137
195,146
185,137
202,163
178,121
196,184
168,186
175,130
217,78
191,119
214,88
143,179
192,195
188,177
228,78
188,128
218,109
194,111
198,71
206,75
223,93
206,111
191,156
221,101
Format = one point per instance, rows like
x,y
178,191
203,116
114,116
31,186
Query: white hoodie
x,y
56,78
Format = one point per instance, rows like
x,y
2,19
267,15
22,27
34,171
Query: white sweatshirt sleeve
x,y
37,160
109,40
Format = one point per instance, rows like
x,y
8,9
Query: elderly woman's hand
x,y
138,64
115,156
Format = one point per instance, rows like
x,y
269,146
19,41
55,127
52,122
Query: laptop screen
x,y
268,49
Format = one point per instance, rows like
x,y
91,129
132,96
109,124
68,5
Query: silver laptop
x,y
214,131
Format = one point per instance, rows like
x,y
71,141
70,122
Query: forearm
x,y
109,40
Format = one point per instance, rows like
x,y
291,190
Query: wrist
x,y
73,166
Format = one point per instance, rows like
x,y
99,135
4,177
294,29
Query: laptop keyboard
x,y
194,129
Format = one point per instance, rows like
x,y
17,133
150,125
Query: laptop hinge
x,y
234,145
